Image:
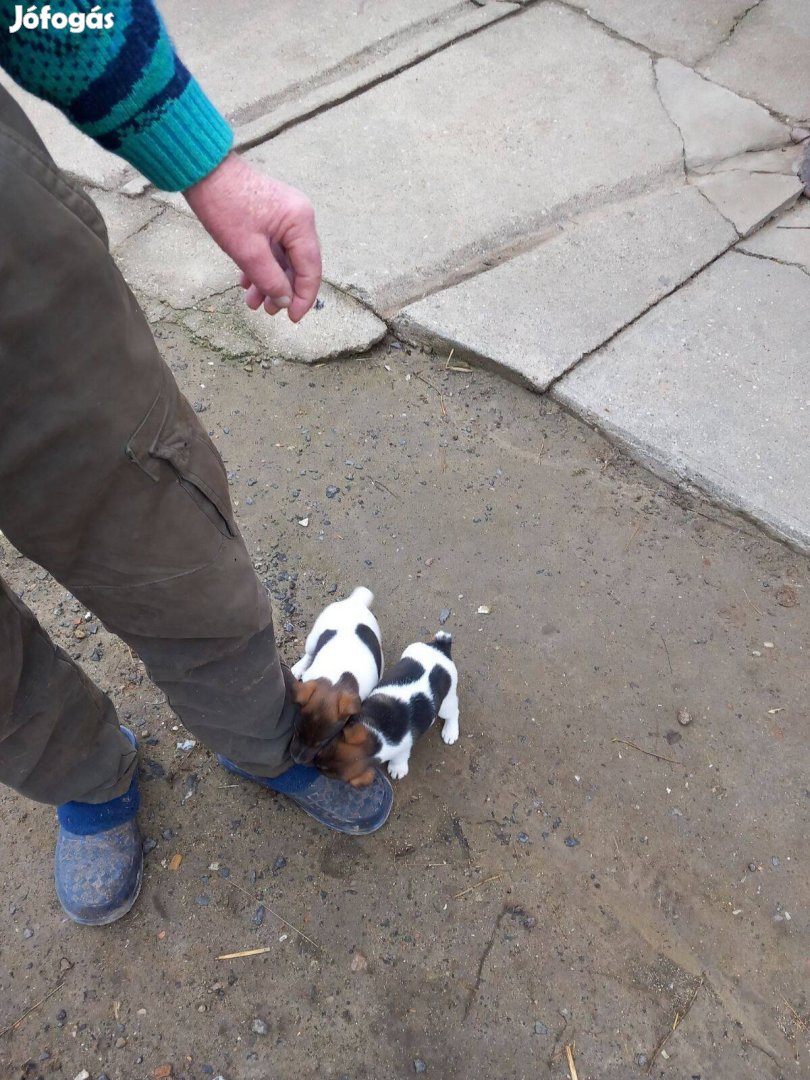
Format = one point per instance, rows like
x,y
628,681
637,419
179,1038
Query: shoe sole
x,y
112,916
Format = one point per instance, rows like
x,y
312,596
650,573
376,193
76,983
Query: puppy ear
x,y
349,705
363,780
355,734
302,692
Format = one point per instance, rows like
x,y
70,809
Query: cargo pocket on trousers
x,y
170,436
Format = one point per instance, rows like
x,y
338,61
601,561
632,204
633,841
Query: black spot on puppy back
x,y
440,682
369,638
324,639
403,673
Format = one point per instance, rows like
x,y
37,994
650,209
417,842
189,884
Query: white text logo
x,y
76,22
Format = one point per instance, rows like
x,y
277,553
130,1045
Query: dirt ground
x,y
580,869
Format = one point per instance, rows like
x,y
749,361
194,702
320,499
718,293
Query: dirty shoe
x,y
98,863
339,806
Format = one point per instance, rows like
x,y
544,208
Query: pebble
x,y
571,841
168,834
752,866
641,1059
258,915
444,615
120,1042
684,717
203,901
419,1066
259,1027
224,872
775,862
279,863
249,501
540,1028
332,590
332,491
523,838
226,431
149,845
83,1075
28,933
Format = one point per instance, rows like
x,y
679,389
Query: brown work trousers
x,y
108,481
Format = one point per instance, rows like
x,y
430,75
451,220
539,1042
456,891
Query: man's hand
x,y
268,229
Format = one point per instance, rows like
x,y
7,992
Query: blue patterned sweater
x,y
121,82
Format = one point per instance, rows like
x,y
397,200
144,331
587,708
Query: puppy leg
x,y
302,665
449,713
398,766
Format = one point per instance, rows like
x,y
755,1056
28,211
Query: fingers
x,y
305,258
265,276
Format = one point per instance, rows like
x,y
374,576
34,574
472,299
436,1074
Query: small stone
x,y
523,838
303,522
149,845
684,717
83,1075
787,596
332,491
249,501
28,933
530,922
258,915
65,964
419,1066
168,834
641,1059
571,841
775,862
259,1027
540,1028
279,863
768,644
120,1042
224,872
359,962
226,431
203,901
752,866
332,590
799,134
485,609
444,615
163,1072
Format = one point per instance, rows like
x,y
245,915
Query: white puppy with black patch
x,y
405,704
342,663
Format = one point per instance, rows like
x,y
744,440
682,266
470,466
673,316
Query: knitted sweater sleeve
x,y
119,80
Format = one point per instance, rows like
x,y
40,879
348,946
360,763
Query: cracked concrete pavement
x,y
599,200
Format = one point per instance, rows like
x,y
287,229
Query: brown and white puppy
x,y
417,689
342,663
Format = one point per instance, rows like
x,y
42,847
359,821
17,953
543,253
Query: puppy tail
x,y
443,642
363,596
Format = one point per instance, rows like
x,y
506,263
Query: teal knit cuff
x,y
186,143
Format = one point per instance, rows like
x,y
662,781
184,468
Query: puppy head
x,y
348,757
324,710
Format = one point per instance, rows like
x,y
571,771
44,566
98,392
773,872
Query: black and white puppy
x,y
417,689
342,663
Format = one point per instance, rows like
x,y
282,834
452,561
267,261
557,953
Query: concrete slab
x,y
785,160
766,57
538,314
710,388
338,326
122,216
679,28
748,200
70,149
176,261
714,122
426,174
786,240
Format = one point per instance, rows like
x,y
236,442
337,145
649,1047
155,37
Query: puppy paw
x,y
398,769
299,668
450,732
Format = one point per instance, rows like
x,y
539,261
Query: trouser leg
x,y
108,480
48,708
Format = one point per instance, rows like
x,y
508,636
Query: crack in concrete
x,y
672,120
615,34
716,209
735,24
317,110
771,258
